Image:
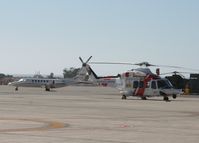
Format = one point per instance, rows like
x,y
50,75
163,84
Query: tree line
x,y
67,73
70,72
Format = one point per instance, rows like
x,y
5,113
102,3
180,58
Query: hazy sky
x,y
50,35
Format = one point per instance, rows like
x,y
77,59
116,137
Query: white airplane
x,y
52,83
42,82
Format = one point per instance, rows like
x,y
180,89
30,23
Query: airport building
x,y
194,83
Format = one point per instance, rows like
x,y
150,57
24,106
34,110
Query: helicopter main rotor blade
x,y
178,67
111,63
175,72
144,64
122,63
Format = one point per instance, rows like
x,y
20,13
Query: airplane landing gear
x,y
16,88
166,98
174,96
123,96
47,88
143,98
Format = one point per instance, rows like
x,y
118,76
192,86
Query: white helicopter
x,y
48,83
141,82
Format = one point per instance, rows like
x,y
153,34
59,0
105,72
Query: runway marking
x,y
124,126
45,125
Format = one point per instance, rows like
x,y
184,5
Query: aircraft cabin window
x,y
163,84
153,85
141,84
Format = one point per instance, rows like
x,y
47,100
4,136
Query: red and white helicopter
x,y
140,82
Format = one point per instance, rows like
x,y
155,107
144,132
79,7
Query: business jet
x,y
42,82
48,83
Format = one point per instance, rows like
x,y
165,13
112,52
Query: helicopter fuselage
x,y
143,83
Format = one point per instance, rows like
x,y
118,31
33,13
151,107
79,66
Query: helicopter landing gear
x,y
166,98
174,96
16,88
123,96
144,98
47,89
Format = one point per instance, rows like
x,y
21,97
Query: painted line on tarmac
x,y
45,125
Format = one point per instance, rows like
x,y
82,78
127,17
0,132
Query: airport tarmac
x,y
94,115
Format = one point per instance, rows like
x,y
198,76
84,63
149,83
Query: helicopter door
x,y
138,88
152,89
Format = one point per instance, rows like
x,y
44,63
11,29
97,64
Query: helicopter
x,y
140,82
177,79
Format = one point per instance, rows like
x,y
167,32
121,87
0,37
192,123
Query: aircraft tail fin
x,y
83,72
92,75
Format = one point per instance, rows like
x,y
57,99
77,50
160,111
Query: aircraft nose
x,y
10,83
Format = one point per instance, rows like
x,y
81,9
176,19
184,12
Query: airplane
x,y
140,82
41,82
48,83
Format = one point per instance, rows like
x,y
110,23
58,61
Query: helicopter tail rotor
x,y
85,63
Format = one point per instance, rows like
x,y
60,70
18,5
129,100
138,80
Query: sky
x,y
49,35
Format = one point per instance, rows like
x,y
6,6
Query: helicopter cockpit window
x,y
135,84
163,84
153,85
